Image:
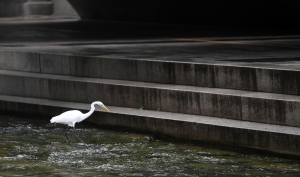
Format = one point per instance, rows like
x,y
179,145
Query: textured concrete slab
x,y
279,139
213,51
223,49
224,103
206,74
196,70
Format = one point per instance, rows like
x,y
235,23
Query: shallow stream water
x,y
33,147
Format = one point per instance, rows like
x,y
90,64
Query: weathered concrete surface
x,y
36,8
11,8
279,139
244,59
224,103
15,8
281,79
41,7
171,67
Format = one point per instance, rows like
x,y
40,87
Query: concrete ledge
x,y
9,8
225,103
38,8
279,139
228,76
15,8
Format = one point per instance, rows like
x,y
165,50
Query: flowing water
x,y
33,147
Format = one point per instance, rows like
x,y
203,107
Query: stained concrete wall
x,y
201,100
183,127
261,79
11,8
24,8
188,100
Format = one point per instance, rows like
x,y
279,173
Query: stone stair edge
x,y
240,105
279,139
139,84
266,66
206,75
156,114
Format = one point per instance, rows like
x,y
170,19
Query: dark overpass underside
x,y
236,13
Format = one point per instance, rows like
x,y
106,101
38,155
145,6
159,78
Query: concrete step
x,y
224,103
276,138
215,74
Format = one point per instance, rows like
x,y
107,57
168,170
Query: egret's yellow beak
x,y
105,108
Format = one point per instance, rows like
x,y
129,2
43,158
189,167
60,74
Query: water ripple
x,y
33,147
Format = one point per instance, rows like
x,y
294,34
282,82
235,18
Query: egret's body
x,y
71,117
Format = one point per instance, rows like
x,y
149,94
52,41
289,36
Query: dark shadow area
x,y
248,13
87,30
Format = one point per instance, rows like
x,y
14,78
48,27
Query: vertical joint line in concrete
x,y
213,76
40,67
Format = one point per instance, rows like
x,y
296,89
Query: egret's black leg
x,y
67,134
74,132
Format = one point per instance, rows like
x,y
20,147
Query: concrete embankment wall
x,y
216,112
188,128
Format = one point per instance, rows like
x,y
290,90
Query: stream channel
x,y
34,147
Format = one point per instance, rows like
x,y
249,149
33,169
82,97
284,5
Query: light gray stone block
x,y
86,66
159,72
38,8
6,60
12,85
225,77
120,69
32,87
184,74
28,62
204,75
55,64
19,61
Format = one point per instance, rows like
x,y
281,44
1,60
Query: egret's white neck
x,y
88,114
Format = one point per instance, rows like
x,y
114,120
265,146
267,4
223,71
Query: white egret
x,y
74,116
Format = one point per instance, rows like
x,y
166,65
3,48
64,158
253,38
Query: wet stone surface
x,y
33,147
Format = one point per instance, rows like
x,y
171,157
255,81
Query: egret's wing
x,y
66,117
